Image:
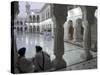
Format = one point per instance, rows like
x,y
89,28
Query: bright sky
x,y
33,5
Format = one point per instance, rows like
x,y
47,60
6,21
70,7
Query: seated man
x,y
42,60
24,65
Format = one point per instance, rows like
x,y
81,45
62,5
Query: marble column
x,y
88,19
75,34
77,31
60,18
66,31
86,35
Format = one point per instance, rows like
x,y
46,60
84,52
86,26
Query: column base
x,y
59,64
89,56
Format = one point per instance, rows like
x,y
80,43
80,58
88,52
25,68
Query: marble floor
x,y
72,54
90,64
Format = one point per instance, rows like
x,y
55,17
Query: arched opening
x,y
21,23
17,22
25,28
49,28
38,29
30,29
38,19
33,18
17,28
30,17
21,29
71,30
34,28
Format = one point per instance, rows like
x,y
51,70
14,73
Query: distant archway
x,y
21,29
30,29
25,28
38,19
21,23
30,18
38,29
34,28
34,18
18,29
17,22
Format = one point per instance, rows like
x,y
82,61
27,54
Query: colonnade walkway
x,y
73,55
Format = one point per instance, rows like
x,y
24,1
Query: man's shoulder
x,y
39,54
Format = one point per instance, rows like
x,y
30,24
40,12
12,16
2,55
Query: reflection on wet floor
x,y
72,54
30,40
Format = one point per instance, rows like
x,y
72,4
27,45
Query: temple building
x,y
40,21
35,20
72,30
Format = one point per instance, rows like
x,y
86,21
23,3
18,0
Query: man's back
x,y
24,65
42,61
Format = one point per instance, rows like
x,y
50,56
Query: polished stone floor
x,y
72,54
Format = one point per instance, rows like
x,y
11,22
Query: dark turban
x,y
22,51
38,48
